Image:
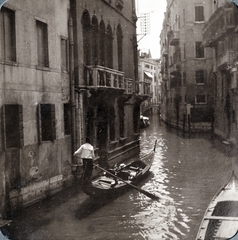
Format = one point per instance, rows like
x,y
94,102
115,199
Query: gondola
x,y
144,121
221,217
117,180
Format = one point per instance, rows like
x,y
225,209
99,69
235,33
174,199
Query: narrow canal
x,y
186,173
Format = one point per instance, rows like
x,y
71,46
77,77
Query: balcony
x,y
174,69
173,37
175,82
143,88
222,21
98,77
164,52
165,76
226,59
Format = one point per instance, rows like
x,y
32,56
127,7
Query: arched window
x,y
109,48
112,124
119,47
102,40
86,38
95,40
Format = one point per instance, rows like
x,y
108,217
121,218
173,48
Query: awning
x,y
149,75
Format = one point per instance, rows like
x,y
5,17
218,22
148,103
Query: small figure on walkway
x,y
86,153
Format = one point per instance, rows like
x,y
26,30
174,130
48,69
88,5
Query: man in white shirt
x,y
86,152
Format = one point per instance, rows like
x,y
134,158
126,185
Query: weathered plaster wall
x,y
38,168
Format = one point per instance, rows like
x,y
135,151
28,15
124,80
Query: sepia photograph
x,y
118,119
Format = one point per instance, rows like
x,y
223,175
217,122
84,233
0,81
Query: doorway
x,y
102,133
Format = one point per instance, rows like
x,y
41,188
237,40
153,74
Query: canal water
x,y
186,173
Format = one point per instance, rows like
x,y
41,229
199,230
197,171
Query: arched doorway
x,y
102,133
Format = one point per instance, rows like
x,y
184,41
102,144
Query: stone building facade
x,y
68,70
220,34
185,66
34,102
106,75
149,75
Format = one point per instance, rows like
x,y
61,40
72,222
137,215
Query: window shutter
x,y
199,13
53,121
39,122
21,132
4,125
13,125
1,36
9,27
67,118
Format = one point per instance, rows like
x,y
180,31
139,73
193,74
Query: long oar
x,y
150,195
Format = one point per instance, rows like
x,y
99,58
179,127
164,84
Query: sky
x,y
156,9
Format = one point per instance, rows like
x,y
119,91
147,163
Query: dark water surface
x,y
186,173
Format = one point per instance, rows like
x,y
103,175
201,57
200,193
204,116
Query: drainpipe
x,y
72,84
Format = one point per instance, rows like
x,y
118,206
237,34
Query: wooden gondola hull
x,y
95,192
221,217
106,186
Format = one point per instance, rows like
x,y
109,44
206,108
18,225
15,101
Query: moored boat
x,y
116,181
144,121
220,220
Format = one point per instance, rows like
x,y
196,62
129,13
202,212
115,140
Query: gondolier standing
x,y
86,153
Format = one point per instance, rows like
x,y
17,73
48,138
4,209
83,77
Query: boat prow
x,y
221,217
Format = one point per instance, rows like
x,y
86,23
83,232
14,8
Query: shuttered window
x,y
184,78
121,120
13,125
199,14
46,115
7,35
64,55
200,78
199,50
42,44
67,119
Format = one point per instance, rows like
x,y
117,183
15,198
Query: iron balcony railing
x,y
142,88
173,38
164,51
174,69
226,58
219,23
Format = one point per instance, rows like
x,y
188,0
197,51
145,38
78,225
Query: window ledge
x,y
113,142
46,141
43,68
123,139
10,63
